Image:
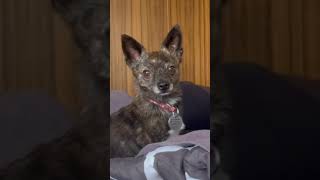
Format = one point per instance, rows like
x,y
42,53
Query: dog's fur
x,y
156,76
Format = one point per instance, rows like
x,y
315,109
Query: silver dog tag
x,y
175,122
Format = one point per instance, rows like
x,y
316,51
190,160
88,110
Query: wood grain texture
x,y
27,44
37,51
65,64
148,21
281,35
2,49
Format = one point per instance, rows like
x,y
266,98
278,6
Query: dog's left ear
x,y
173,42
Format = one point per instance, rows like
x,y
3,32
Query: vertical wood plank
x,y
2,48
281,36
203,39
66,67
10,43
187,21
136,22
239,28
297,37
40,52
27,46
257,34
225,32
118,68
173,18
27,42
312,39
157,23
197,42
144,23
207,71
128,28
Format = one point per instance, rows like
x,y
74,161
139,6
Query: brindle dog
x,y
156,76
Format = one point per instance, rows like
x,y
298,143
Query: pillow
x,y
118,99
196,106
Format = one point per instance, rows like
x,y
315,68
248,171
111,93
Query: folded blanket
x,y
185,157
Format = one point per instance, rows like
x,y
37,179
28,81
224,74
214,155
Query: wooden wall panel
x,y
312,38
296,12
65,63
282,35
37,51
11,39
27,44
149,21
2,49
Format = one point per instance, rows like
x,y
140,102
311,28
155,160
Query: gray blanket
x,y
185,157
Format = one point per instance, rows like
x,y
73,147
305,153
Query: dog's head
x,y
156,73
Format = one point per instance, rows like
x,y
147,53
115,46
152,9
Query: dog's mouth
x,y
164,94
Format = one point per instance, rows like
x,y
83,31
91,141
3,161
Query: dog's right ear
x,y
132,49
173,42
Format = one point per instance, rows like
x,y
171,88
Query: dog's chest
x,y
158,122
172,121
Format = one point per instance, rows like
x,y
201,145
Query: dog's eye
x,y
146,73
172,69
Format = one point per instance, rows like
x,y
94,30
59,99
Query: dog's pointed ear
x,y
132,49
173,42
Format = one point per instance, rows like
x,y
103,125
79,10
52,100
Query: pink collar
x,y
164,106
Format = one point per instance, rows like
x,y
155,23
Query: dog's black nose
x,y
163,86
